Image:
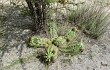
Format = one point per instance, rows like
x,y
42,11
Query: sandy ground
x,y
15,55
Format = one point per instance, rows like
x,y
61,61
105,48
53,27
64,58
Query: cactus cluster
x,y
51,53
60,42
39,42
70,34
73,49
53,30
55,43
51,49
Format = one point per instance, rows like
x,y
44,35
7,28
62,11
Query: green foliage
x,y
70,34
51,50
49,55
52,46
53,30
92,19
73,49
55,51
39,42
60,42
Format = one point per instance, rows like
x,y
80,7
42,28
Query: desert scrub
x,y
39,42
73,49
92,19
51,53
60,42
70,34
53,29
50,47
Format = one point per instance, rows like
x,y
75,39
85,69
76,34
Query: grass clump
x,y
92,19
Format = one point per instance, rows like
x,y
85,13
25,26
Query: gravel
x,y
18,56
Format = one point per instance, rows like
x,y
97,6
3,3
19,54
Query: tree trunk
x,y
38,14
32,12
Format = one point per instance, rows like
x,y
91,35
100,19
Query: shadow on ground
x,y
16,32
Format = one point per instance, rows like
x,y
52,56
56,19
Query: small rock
x,y
26,31
104,63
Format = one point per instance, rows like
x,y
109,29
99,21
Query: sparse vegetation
x,y
60,42
57,43
91,19
71,34
52,37
53,30
73,49
39,42
51,54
